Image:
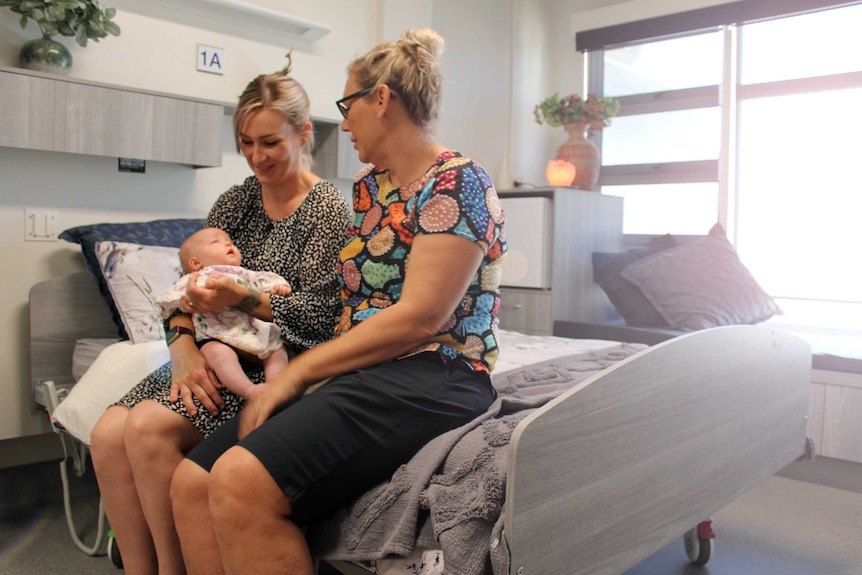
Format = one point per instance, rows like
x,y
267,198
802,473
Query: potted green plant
x,y
595,113
82,19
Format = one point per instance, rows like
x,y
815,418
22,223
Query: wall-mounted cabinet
x,y
53,113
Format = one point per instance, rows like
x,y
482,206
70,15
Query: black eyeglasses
x,y
340,103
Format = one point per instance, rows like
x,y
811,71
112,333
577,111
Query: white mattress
x,y
517,349
120,365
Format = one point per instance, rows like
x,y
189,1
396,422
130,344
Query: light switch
x,y
40,224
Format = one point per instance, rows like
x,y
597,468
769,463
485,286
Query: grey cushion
x,y
701,285
628,300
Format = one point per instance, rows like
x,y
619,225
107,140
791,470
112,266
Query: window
x,y
755,125
651,207
662,153
677,136
663,65
774,50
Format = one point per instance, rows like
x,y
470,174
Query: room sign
x,y
210,59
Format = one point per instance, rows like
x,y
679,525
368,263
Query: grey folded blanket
x,y
450,495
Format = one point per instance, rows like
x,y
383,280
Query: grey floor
x,y
807,520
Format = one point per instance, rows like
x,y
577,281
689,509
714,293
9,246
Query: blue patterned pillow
x,y
169,232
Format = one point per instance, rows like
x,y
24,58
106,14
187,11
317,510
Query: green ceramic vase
x,y
45,55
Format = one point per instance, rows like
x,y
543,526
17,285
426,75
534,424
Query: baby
x,y
223,334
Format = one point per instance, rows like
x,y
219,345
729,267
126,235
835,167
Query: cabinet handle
x,y
516,306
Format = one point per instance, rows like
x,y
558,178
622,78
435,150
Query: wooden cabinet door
x,y
58,115
527,311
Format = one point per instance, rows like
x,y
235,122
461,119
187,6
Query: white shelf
x,y
233,17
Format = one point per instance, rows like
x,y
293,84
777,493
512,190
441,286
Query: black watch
x,y
172,333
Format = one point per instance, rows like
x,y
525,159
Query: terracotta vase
x,y
583,154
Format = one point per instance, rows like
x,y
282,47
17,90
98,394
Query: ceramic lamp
x,y
560,173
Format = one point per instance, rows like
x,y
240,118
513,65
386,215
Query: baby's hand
x,y
281,289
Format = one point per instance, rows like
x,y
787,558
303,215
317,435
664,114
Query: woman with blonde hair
x,y
285,220
416,343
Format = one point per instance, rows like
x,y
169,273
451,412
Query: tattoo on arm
x,y
250,302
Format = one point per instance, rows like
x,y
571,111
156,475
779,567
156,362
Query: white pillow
x,y
136,275
117,370
86,351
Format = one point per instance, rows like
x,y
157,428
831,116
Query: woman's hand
x,y
262,404
223,291
217,292
192,377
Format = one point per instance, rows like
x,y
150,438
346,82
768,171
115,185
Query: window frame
x,y
731,91
722,170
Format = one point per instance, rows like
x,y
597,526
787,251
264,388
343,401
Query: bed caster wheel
x,y
114,551
700,543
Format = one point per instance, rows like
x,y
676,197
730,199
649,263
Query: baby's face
x,y
214,247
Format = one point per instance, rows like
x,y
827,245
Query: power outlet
x,y
40,224
40,396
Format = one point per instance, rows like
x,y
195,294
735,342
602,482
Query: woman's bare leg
x,y
156,441
190,498
119,494
250,517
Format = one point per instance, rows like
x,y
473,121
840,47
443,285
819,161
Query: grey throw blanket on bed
x,y
450,495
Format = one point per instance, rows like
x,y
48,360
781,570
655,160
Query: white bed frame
x,y
614,469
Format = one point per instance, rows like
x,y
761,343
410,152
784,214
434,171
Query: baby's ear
x,y
195,264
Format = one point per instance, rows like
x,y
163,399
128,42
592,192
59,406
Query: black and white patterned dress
x,y
303,248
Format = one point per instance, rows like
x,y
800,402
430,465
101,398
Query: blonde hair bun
x,y
427,38
409,67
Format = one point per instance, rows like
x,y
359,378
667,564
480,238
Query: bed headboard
x,y
63,310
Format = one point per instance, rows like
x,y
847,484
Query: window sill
x,y
843,343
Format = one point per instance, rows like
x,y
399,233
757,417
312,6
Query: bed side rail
x,y
63,310
631,459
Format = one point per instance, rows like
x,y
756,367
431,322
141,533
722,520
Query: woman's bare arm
x,y
440,270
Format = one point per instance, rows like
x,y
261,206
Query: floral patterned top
x,y
455,196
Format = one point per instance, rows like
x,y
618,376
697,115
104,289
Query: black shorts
x,y
353,433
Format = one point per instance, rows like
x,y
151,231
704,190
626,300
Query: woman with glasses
x,y
416,343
